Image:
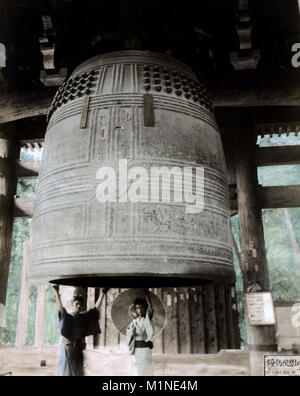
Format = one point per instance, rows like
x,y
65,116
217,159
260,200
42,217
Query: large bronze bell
x,y
141,113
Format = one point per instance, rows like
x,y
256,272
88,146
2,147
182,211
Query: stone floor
x,y
27,362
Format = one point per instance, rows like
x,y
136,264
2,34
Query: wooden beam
x,y
278,128
252,88
279,197
32,144
274,198
16,106
266,118
288,155
24,207
255,97
27,169
31,129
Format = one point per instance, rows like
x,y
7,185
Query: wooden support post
x,y
111,333
24,207
176,299
197,320
229,318
209,302
8,183
40,316
171,345
184,321
99,340
27,169
158,339
90,305
25,295
232,318
253,254
122,337
221,317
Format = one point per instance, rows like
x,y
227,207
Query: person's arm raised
x,y
58,299
100,298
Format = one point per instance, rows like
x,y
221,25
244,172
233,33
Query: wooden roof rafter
x,y
279,129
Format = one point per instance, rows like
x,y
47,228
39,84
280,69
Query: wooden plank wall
x,y
221,314
199,320
210,319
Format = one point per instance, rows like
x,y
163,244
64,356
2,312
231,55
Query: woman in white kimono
x,y
139,337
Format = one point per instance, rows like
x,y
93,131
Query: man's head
x,y
141,306
77,304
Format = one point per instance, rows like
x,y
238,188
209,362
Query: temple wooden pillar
x,y
253,254
90,304
24,297
8,182
40,317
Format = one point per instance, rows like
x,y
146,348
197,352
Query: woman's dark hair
x,y
77,298
141,301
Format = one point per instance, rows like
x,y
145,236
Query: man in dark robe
x,y
74,327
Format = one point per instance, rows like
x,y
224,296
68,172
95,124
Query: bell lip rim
x,y
148,280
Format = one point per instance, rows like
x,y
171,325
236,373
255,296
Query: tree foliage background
x,y
22,232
